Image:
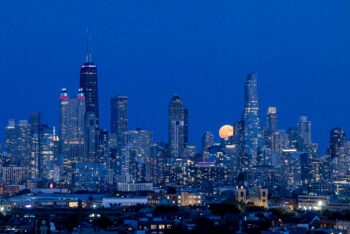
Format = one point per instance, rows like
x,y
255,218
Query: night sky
x,y
200,49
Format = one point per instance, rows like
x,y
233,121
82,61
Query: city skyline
x,y
189,117
261,115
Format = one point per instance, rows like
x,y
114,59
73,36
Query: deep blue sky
x,y
201,49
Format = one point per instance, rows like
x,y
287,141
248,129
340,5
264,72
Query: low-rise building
x,y
312,202
257,197
183,198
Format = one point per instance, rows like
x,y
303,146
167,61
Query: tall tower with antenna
x,y
88,82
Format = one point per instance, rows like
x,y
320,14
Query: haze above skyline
x,y
201,50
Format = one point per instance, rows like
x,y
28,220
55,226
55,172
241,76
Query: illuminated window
x,y
161,226
153,226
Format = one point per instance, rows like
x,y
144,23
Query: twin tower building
x,y
79,118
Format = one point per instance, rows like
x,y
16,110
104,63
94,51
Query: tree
x,y
165,209
73,221
224,208
103,222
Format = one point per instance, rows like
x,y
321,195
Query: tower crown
x,y
64,94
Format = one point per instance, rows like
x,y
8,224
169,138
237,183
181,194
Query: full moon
x,y
226,131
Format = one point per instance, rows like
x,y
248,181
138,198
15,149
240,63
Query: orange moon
x,y
226,131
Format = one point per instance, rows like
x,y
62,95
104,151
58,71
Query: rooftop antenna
x,y
88,49
87,46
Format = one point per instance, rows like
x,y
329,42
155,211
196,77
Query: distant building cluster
x,y
80,156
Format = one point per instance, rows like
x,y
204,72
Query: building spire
x,y
88,47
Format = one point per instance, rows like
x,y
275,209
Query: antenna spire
x,y
88,47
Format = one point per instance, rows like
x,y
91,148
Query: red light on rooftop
x,y
83,66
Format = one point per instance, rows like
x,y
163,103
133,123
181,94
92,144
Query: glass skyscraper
x,y
177,127
252,129
72,118
337,139
271,126
119,116
304,129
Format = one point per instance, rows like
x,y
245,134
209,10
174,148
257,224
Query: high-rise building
x,y
103,150
35,121
190,151
305,171
279,141
238,140
132,164
304,128
186,125
271,120
88,85
271,126
119,117
22,154
91,137
35,159
207,141
141,139
157,165
176,127
136,153
10,139
48,152
337,139
293,136
252,129
72,119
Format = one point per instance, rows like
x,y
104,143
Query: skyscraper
x,y
252,129
91,137
293,136
119,116
336,140
103,148
48,152
10,139
304,129
35,159
279,141
176,127
238,140
141,139
88,84
23,135
186,125
35,121
207,141
271,126
271,120
72,118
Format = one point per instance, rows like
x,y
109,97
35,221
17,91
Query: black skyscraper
x,y
35,121
88,83
119,116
